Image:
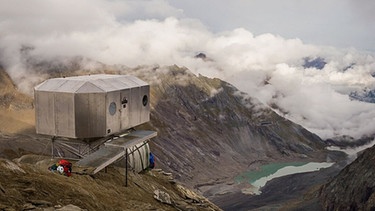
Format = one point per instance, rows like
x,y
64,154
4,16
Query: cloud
x,y
267,66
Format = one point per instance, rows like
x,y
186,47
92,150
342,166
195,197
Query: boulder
x,y
162,196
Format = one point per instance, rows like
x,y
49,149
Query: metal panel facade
x,y
90,115
113,104
64,114
145,107
134,104
125,109
91,106
45,113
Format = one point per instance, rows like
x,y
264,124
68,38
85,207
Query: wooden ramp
x,y
112,151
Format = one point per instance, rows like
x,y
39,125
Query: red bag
x,y
67,167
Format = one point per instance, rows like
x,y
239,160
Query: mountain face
x,y
208,131
10,97
317,63
354,187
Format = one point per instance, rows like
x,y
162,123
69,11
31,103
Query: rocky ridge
x,y
209,131
354,187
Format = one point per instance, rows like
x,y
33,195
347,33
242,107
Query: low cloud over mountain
x,y
267,66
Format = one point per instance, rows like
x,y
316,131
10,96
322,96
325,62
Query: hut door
x,y
125,111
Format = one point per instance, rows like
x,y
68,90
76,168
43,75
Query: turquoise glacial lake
x,y
265,170
270,171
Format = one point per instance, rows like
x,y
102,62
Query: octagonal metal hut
x,y
91,106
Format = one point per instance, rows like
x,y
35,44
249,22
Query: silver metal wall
x,y
64,114
113,112
45,113
83,110
90,114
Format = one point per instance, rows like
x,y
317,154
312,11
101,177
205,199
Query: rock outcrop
x,y
354,187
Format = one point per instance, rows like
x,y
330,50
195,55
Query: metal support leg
x,y
89,147
126,167
52,147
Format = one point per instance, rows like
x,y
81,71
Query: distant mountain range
x,y
317,63
366,95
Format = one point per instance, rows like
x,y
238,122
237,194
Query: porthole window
x,y
112,108
145,100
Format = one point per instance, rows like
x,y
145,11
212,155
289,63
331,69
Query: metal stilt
x,y
126,167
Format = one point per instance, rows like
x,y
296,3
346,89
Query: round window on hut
x,y
112,108
145,100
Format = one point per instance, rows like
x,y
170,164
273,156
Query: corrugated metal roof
x,y
90,83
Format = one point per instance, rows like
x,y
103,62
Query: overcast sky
x,y
340,23
258,46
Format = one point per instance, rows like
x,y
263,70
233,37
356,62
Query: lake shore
x,y
277,192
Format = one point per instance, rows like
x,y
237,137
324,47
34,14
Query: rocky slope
x,y
354,187
10,97
208,131
26,184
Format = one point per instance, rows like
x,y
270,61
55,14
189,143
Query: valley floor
x,y
292,192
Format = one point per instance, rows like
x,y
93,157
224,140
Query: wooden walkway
x,y
112,151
